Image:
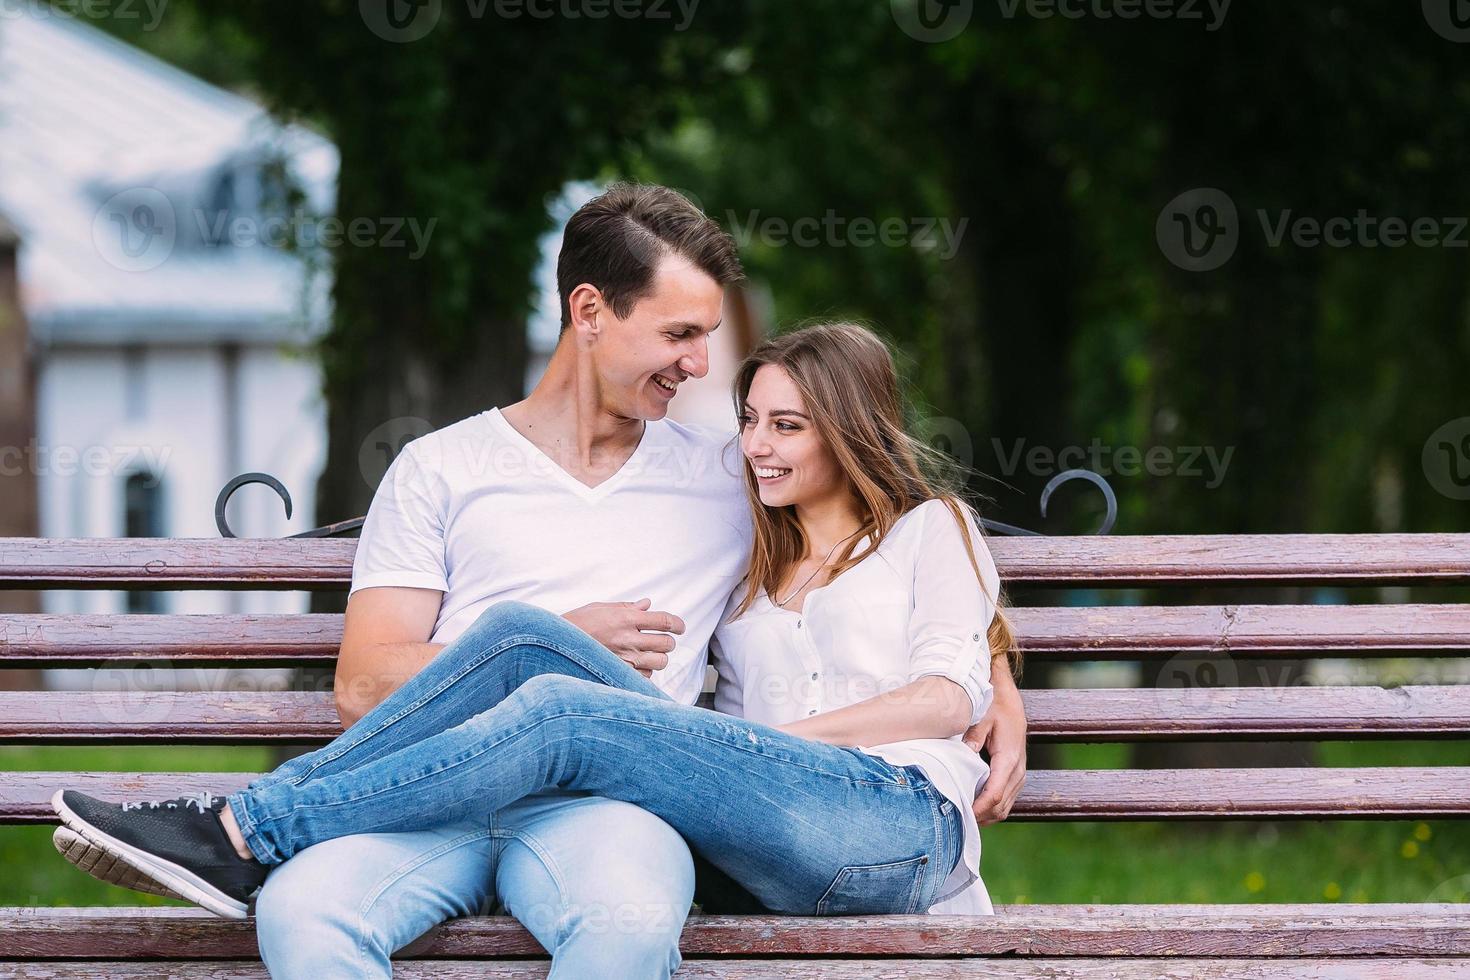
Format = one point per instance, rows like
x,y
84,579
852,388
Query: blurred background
x,y
1216,253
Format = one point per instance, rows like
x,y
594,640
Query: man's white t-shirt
x,y
478,512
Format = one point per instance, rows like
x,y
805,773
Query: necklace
x,y
793,595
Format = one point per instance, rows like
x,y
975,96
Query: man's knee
x,y
305,925
603,880
641,889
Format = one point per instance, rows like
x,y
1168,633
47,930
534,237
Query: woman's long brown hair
x,y
846,377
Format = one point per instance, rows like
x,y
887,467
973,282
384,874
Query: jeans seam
x,y
553,870
397,875
527,639
821,772
936,808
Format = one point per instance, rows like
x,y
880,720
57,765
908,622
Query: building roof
x,y
114,168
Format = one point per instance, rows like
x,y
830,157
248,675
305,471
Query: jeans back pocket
x,y
876,889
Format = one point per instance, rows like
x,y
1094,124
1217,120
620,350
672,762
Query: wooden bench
x,y
1415,942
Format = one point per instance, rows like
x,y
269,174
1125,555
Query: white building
x,y
166,350
170,347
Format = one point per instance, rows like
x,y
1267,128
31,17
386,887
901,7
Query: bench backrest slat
x,y
1391,792
1106,714
1062,632
326,563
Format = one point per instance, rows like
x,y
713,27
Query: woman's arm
x,y
948,651
930,707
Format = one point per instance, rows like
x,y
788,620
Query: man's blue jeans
x,y
603,885
536,704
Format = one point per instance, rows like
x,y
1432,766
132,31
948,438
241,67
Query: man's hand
x,y
1002,733
620,627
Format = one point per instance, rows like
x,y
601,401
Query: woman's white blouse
x,y
912,609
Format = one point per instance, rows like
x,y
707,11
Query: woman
x,y
868,619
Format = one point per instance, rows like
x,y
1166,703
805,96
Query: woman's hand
x,y
1002,733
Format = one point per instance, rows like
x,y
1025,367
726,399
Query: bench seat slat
x,y
1393,792
1453,968
1107,714
1027,930
1083,560
1066,632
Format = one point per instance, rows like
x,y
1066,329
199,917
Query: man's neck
x,y
567,417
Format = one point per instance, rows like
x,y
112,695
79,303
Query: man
x,y
581,491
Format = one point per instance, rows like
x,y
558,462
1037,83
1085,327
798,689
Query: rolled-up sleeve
x,y
402,542
950,622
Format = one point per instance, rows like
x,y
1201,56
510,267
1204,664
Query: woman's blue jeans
x,y
806,827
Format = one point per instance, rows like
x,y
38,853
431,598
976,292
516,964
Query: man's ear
x,y
585,304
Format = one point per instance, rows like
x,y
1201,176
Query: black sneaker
x,y
103,866
180,844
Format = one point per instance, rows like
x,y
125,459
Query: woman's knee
x,y
510,615
551,696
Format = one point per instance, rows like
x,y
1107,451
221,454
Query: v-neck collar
x,y
590,494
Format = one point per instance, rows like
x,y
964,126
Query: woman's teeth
x,y
770,473
665,385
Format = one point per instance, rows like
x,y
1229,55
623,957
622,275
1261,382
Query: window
x,y
143,518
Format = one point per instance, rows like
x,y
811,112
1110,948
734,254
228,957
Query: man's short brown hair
x,y
615,242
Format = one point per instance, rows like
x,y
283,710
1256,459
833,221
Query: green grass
x,y
35,874
1281,861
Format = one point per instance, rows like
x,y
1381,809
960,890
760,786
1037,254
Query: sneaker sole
x,y
179,879
103,866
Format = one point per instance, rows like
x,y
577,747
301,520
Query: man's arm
x,y
1002,733
386,631
384,642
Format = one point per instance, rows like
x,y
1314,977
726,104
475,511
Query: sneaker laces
x,y
203,801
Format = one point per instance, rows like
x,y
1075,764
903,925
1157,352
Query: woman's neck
x,y
827,523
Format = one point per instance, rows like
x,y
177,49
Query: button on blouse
x,y
913,608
